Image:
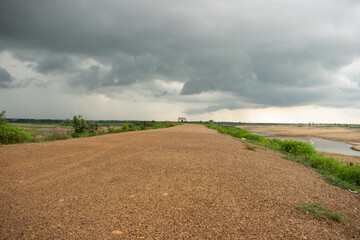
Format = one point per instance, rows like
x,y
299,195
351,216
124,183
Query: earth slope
x,y
185,182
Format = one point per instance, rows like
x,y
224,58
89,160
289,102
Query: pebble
x,y
117,232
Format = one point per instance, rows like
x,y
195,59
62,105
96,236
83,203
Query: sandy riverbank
x,y
341,134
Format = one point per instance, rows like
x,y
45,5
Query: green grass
x,y
10,134
103,124
128,127
86,134
336,173
36,125
318,211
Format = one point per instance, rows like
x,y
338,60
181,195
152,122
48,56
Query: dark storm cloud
x,y
85,27
5,78
53,64
124,70
265,53
7,81
45,62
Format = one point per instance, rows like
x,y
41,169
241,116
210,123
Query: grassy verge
x,y
10,134
126,127
318,211
336,173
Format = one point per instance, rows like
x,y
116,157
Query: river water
x,y
323,145
320,144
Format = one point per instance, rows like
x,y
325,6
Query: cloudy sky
x,y
227,60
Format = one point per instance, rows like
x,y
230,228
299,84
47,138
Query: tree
x,y
81,125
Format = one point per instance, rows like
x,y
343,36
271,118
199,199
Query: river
x,y
320,144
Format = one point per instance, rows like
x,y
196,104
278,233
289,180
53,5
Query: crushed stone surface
x,y
184,182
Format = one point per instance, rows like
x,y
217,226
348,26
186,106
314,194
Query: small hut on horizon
x,y
181,119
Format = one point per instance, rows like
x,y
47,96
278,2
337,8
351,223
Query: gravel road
x,y
184,182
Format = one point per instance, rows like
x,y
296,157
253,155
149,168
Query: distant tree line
x,y
59,121
104,122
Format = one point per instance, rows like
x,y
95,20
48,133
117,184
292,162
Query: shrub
x,y
11,134
350,173
79,135
125,127
321,162
113,130
136,128
57,136
2,118
275,143
133,127
171,124
81,125
158,125
297,148
144,124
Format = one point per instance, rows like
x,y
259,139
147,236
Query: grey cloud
x,y
124,70
87,27
127,69
46,62
261,97
54,64
356,79
7,81
275,57
91,77
5,78
216,107
275,78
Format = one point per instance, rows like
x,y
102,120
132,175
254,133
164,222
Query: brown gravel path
x,y
185,182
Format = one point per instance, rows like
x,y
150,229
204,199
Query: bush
x,y
2,119
78,135
327,164
11,134
137,128
125,127
275,143
113,130
81,125
297,148
350,173
57,136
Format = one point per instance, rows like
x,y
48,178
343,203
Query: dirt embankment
x,y
185,182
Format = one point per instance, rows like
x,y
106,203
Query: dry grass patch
x,y
318,211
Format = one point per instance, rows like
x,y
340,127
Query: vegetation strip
x,y
343,175
80,127
12,134
318,211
